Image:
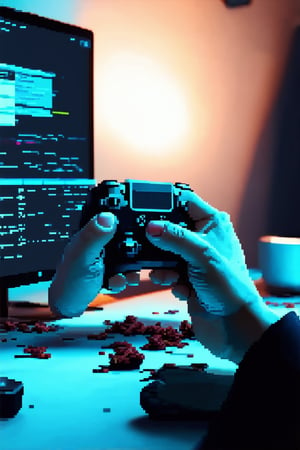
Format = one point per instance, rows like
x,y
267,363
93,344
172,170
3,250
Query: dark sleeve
x,y
262,409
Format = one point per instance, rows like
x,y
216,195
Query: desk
x,y
69,400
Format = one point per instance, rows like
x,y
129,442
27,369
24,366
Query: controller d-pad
x,y
129,245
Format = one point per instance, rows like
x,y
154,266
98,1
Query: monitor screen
x,y
46,141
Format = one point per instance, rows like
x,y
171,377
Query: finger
x,y
133,278
181,291
205,216
85,247
183,242
198,208
164,277
117,283
195,309
80,270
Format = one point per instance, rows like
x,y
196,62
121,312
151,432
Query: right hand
x,y
227,312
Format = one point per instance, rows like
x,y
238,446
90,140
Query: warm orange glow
x,y
228,64
280,240
102,299
142,104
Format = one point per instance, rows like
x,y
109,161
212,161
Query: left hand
x,y
79,275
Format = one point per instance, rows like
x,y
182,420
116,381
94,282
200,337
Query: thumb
x,y
87,244
79,275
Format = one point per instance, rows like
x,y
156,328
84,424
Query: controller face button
x,y
141,220
181,203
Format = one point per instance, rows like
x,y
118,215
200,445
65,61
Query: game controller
x,y
135,203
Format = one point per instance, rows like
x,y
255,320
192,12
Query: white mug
x,y
279,261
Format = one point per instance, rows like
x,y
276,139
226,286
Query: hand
x,y
227,312
79,275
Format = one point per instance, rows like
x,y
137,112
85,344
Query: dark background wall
x,y
235,68
284,211
271,200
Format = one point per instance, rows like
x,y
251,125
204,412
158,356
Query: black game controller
x,y
135,203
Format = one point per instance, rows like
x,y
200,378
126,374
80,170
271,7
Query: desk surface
x,y
69,399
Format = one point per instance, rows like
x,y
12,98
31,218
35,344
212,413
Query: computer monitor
x,y
46,143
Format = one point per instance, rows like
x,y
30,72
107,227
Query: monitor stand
x,y
22,311
3,302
